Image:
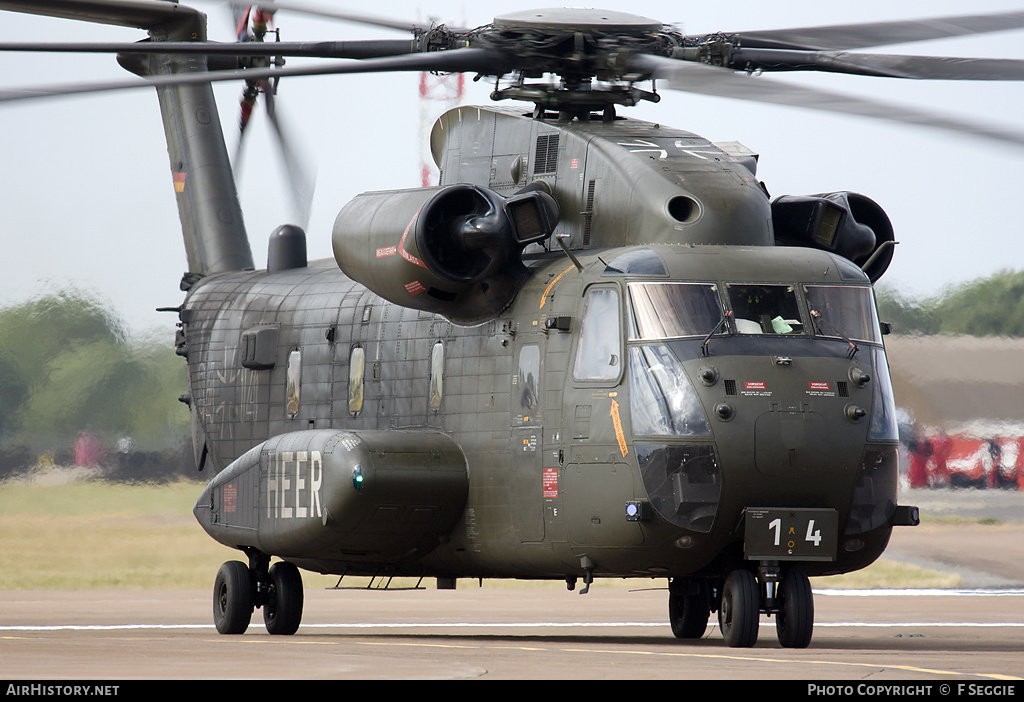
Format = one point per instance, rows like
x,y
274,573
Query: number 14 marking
x,y
813,535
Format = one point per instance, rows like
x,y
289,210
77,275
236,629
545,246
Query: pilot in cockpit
x,y
764,309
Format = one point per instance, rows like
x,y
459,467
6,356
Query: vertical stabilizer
x,y
211,217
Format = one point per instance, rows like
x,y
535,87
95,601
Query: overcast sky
x,y
88,202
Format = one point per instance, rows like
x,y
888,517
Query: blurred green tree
x,y
67,365
991,306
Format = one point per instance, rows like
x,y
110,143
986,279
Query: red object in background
x,y
88,450
984,463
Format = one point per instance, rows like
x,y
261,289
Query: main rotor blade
x,y
888,65
368,48
723,82
141,14
859,36
481,61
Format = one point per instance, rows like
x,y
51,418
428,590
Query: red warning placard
x,y
550,482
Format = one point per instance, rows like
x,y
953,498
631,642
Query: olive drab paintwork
x,y
618,183
552,454
596,348
539,376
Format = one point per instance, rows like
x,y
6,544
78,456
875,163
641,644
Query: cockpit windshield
x,y
672,310
661,311
845,311
765,309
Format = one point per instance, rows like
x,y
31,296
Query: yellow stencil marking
x,y
544,297
617,422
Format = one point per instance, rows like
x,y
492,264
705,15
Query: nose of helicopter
x,y
790,439
789,431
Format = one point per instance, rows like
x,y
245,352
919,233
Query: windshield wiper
x,y
721,323
819,320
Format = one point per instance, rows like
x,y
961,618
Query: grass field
x,y
58,534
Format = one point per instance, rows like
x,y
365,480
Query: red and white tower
x,y
438,93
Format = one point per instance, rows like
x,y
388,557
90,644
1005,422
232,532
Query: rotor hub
x,y
588,21
578,46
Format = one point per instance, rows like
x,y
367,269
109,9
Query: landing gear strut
x,y
239,589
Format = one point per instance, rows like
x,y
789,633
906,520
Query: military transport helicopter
x,y
597,348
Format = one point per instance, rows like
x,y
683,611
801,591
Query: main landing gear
x,y
740,599
239,589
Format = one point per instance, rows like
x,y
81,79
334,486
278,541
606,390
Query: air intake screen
x,y
546,158
527,219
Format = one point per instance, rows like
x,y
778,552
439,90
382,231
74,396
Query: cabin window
x,y
765,309
597,357
843,310
529,373
436,375
672,310
662,399
356,374
294,375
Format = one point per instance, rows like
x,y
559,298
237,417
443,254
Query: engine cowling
x,y
454,250
845,223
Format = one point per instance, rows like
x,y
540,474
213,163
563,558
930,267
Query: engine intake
x,y
845,223
454,250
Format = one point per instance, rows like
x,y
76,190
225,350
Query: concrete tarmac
x,y
610,633
973,634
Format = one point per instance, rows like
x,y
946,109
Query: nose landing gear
x,y
739,609
794,615
740,600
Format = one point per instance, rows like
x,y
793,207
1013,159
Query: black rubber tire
x,y
282,610
795,620
739,612
689,612
232,598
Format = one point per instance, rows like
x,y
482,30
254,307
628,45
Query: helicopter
x,y
597,348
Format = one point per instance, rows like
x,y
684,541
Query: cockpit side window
x,y
765,309
600,346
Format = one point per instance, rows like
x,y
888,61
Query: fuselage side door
x,y
527,437
597,479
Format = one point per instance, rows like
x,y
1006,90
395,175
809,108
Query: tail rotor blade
x,y
247,104
301,182
240,15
